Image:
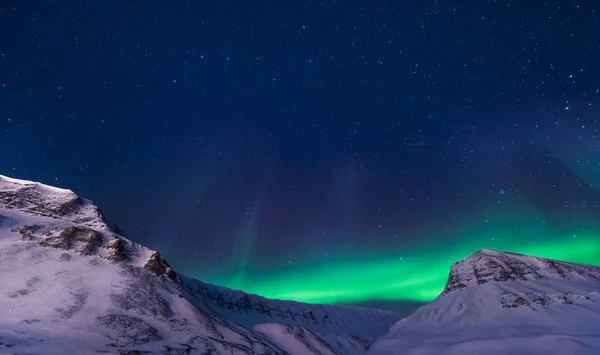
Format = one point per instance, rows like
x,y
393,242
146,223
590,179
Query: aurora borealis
x,y
336,152
420,276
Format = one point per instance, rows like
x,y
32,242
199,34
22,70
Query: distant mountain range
x,y
70,283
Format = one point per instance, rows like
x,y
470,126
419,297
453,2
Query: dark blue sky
x,y
231,135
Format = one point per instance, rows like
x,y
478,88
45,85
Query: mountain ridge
x,y
71,282
504,303
488,265
111,294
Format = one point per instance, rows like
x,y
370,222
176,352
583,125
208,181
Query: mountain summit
x,y
505,303
72,284
35,199
495,266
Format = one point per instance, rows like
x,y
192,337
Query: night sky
x,y
335,151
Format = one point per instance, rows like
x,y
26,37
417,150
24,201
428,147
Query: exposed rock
x,y
61,241
537,299
114,250
27,231
29,198
43,200
85,241
564,299
454,282
511,300
158,265
82,240
491,266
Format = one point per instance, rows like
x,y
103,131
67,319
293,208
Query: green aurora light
x,y
416,269
418,276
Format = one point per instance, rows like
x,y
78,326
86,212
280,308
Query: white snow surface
x,y
295,339
70,284
508,304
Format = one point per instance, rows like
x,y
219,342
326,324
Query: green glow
x,y
419,274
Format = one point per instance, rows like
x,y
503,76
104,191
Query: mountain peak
x,y
489,265
5,181
118,296
38,199
499,302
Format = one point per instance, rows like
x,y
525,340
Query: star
x,y
361,140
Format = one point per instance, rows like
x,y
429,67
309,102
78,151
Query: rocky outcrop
x,y
29,198
27,232
158,265
82,240
492,266
114,250
42,200
85,241
530,299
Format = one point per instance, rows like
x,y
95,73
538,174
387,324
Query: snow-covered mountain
x,y
504,303
71,284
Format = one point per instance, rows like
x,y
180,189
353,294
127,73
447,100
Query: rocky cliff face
x,y
42,200
70,223
494,266
158,265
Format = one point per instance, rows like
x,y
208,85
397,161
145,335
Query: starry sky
x,y
333,151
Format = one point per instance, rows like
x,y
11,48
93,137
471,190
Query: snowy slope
x,y
69,283
295,339
505,303
349,330
250,310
